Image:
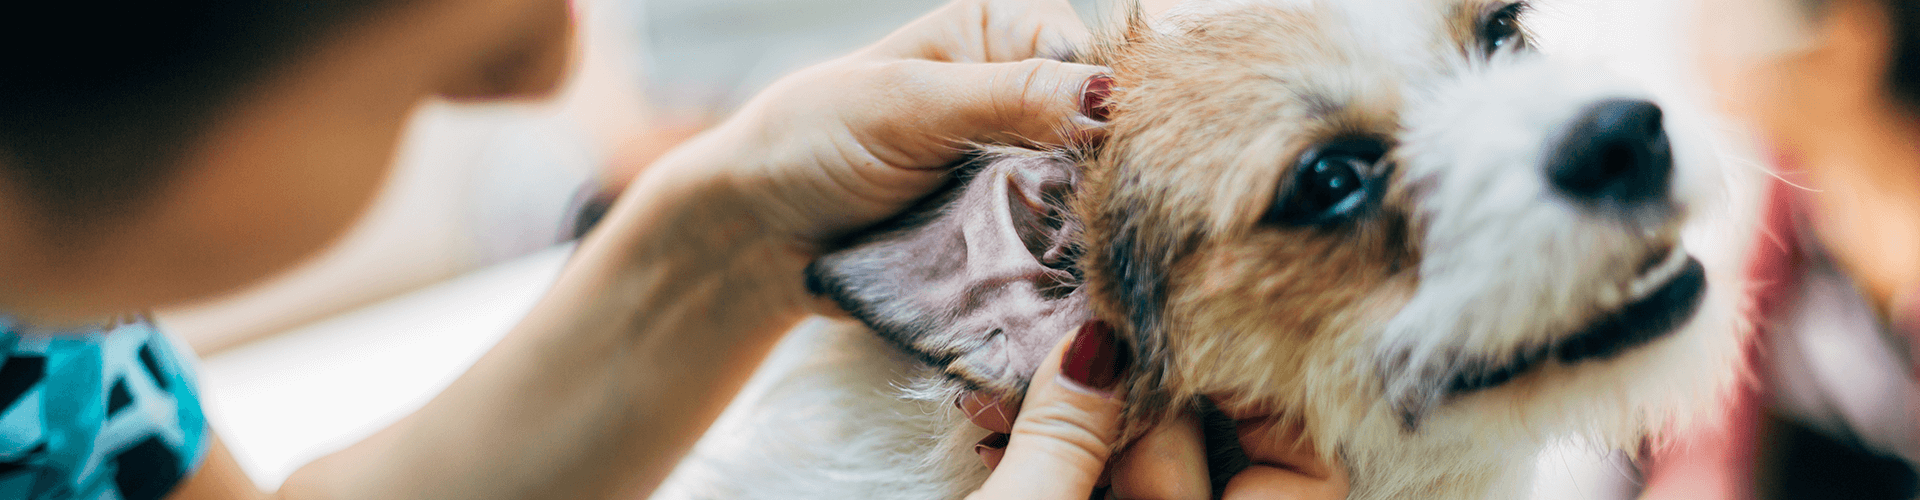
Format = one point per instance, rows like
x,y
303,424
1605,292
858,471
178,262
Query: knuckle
x,y
1074,434
895,75
804,85
1032,89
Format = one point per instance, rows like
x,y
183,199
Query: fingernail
x,y
1094,360
1093,97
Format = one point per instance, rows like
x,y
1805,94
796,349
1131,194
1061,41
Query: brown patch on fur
x,y
1466,20
1463,24
1208,126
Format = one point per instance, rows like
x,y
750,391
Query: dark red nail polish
x,y
1093,97
993,441
1094,359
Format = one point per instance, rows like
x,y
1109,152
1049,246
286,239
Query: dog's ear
x,y
980,279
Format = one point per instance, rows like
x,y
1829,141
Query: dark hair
x,y
97,99
1903,74
1903,41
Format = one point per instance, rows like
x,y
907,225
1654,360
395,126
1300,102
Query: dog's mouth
x,y
1663,298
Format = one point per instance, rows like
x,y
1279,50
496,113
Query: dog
x,y
1388,222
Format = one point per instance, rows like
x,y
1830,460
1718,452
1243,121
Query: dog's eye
x,y
1329,185
1501,30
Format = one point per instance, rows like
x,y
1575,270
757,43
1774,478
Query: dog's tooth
x,y
1660,274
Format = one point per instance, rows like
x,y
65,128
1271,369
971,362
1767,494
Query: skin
x,y
1815,91
1169,462
1059,449
287,166
661,314
1824,109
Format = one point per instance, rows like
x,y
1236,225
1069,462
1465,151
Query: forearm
x,y
648,333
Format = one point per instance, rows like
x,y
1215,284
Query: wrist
x,y
686,222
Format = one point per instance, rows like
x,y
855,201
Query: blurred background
x,y
476,219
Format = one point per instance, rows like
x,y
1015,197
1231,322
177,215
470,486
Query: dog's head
x,y
1366,214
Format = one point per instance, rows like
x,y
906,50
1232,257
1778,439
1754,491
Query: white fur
x,y
1508,262
835,414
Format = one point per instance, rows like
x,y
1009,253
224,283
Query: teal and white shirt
x,y
103,414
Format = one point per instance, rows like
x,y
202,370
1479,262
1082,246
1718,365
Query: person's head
x,y
1792,65
156,152
1833,89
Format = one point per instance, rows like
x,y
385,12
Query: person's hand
x,y
1062,438
1285,463
845,144
1068,424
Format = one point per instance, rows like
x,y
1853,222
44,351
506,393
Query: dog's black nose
x,y
1614,154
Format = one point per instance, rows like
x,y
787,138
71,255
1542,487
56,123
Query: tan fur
x,y
1201,137
1207,121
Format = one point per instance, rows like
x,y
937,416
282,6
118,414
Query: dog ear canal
x,y
981,279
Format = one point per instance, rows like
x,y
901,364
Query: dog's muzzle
x,y
1614,164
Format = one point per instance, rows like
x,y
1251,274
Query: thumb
x,y
1036,101
1067,425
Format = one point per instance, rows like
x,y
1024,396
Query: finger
x,y
1284,445
919,114
1068,423
1286,466
1060,29
988,31
1262,482
1169,462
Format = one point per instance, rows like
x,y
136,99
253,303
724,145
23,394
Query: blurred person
x,y
1832,88
155,153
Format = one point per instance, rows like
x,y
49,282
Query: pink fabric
x,y
1715,459
1906,321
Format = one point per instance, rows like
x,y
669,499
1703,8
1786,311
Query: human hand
x,y
1285,463
1169,462
845,144
1068,424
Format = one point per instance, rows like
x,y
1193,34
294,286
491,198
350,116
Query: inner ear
x,y
981,279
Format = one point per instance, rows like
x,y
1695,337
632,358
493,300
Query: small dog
x,y
1388,221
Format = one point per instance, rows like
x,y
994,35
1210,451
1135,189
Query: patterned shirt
x,y
103,414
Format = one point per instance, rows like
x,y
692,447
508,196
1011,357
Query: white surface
x,y
282,402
